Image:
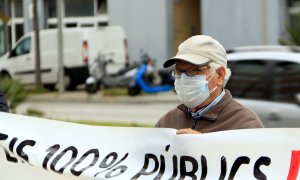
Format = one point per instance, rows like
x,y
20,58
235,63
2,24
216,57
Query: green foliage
x,y
4,18
293,34
38,90
14,91
108,123
115,92
36,113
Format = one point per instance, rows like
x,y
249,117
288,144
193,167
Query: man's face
x,y
216,78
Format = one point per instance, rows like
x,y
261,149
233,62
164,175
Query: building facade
x,y
158,26
19,16
241,23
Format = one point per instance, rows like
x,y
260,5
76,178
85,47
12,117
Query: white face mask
x,y
192,91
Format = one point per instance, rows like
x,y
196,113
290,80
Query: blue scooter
x,y
141,84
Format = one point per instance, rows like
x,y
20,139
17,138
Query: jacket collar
x,y
213,113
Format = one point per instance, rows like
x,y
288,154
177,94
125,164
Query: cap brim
x,y
191,58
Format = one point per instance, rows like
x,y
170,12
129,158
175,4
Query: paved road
x,y
144,111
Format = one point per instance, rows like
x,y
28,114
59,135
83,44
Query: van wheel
x,y
69,84
50,87
92,88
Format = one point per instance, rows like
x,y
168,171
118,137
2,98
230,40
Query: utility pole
x,y
6,34
265,21
61,87
38,79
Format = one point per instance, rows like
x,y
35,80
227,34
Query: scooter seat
x,y
126,69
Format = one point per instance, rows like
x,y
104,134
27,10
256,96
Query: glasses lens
x,y
196,71
191,72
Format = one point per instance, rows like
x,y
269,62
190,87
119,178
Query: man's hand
x,y
187,131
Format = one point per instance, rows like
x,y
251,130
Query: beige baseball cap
x,y
199,50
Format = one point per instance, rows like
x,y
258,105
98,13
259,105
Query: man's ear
x,y
221,75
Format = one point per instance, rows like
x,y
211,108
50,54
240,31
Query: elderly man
x,y
200,75
3,102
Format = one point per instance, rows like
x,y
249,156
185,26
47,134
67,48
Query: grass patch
x,y
115,92
39,90
40,114
35,113
118,124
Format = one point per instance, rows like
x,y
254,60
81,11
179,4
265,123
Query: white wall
x,y
238,23
28,21
147,24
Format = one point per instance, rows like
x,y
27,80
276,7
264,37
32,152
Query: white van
x,y
81,47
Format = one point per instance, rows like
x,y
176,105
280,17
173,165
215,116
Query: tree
x,y
293,34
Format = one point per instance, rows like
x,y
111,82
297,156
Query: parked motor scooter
x,y
135,77
99,78
145,82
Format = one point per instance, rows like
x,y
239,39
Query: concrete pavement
x,y
78,106
81,96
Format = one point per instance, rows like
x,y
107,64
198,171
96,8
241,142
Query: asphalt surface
x,y
78,106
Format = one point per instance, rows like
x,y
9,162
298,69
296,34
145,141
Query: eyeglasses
x,y
189,72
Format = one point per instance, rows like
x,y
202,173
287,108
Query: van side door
x,y
21,61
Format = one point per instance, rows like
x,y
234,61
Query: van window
x,y
86,25
286,78
75,8
23,47
248,79
68,25
100,24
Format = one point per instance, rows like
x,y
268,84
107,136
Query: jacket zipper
x,y
195,123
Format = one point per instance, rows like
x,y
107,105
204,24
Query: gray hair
x,y
214,66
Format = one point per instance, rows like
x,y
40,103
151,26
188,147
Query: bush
x,y
14,91
35,113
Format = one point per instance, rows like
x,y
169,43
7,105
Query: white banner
x,y
40,149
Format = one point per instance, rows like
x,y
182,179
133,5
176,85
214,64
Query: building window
x,y
9,37
8,8
19,31
52,26
292,3
294,13
101,24
101,7
18,8
69,25
75,8
1,7
2,50
52,8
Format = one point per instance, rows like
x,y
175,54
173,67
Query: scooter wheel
x,y
134,90
92,88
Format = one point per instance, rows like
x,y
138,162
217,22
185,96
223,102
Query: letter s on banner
x,y
294,166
